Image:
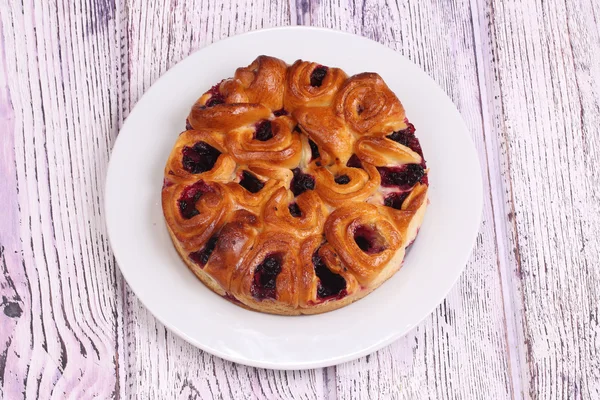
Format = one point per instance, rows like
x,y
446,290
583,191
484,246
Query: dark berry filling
x,y
264,131
314,150
202,256
403,177
330,284
317,76
369,240
354,162
342,179
301,182
215,100
406,137
189,198
199,158
251,183
395,200
188,126
265,277
295,210
232,298
280,112
215,96
297,129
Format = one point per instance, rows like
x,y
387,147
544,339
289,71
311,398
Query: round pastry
x,y
295,189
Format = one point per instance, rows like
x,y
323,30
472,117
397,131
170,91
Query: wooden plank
x,y
59,82
160,364
461,350
525,80
542,71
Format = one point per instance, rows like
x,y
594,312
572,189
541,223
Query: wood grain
x,y
542,72
60,324
522,322
460,351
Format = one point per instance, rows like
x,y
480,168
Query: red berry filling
x,y
301,182
331,285
265,277
404,177
199,158
395,200
251,183
264,131
342,179
167,183
295,210
189,198
202,256
215,96
354,162
369,240
280,112
232,298
317,76
406,137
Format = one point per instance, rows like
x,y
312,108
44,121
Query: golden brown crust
x,y
236,237
382,151
368,105
283,150
342,228
299,91
226,117
273,197
222,170
277,216
328,131
261,82
282,246
213,205
363,183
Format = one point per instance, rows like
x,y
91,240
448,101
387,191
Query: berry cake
x,y
295,189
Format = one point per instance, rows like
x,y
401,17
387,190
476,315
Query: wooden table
x,y
522,322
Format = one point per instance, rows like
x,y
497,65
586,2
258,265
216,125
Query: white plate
x,y
171,292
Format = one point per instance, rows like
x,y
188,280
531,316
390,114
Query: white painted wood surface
x,y
522,322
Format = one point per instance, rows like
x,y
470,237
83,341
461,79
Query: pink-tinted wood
x,y
521,323
541,66
61,323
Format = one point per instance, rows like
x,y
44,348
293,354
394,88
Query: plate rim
x,y
294,365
